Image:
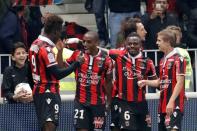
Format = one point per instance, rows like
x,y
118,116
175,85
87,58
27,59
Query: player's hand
x,y
80,58
60,45
141,83
72,40
148,120
170,108
108,106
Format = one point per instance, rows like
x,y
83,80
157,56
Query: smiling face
x,y
90,42
133,45
19,57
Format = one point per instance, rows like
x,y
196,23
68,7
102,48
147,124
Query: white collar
x,y
169,55
43,38
133,58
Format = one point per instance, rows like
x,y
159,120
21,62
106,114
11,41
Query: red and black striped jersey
x,y
170,67
41,57
129,70
90,77
32,2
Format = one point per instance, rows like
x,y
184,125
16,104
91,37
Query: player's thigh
x,y
128,116
115,114
161,122
98,117
175,120
47,107
82,116
143,117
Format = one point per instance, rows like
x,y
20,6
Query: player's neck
x,y
94,52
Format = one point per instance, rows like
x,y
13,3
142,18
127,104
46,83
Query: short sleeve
x,y
109,65
114,53
180,64
151,72
73,57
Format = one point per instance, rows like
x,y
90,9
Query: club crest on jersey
x,y
169,66
142,66
100,63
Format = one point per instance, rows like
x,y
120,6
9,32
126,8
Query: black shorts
x,y
115,113
47,107
89,117
168,123
133,116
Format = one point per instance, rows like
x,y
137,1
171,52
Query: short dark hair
x,y
52,24
135,34
16,46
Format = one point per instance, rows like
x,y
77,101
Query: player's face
x,y
133,45
20,56
89,43
141,30
162,45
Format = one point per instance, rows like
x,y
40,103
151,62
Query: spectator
x,y
184,53
94,82
15,74
189,8
46,73
131,66
20,10
98,8
171,83
73,30
131,25
9,32
156,21
34,24
119,10
172,6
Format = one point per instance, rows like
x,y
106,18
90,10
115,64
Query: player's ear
x,y
13,58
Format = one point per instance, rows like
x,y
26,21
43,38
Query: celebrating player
x,y
46,73
171,83
94,82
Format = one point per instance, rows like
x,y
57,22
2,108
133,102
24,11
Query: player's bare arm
x,y
178,87
151,83
108,88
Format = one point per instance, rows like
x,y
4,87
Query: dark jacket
x,y
12,77
123,6
9,32
153,26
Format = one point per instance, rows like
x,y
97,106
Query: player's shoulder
x,y
178,56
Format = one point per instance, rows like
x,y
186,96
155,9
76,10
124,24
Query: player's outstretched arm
x,y
60,73
151,83
108,90
103,49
